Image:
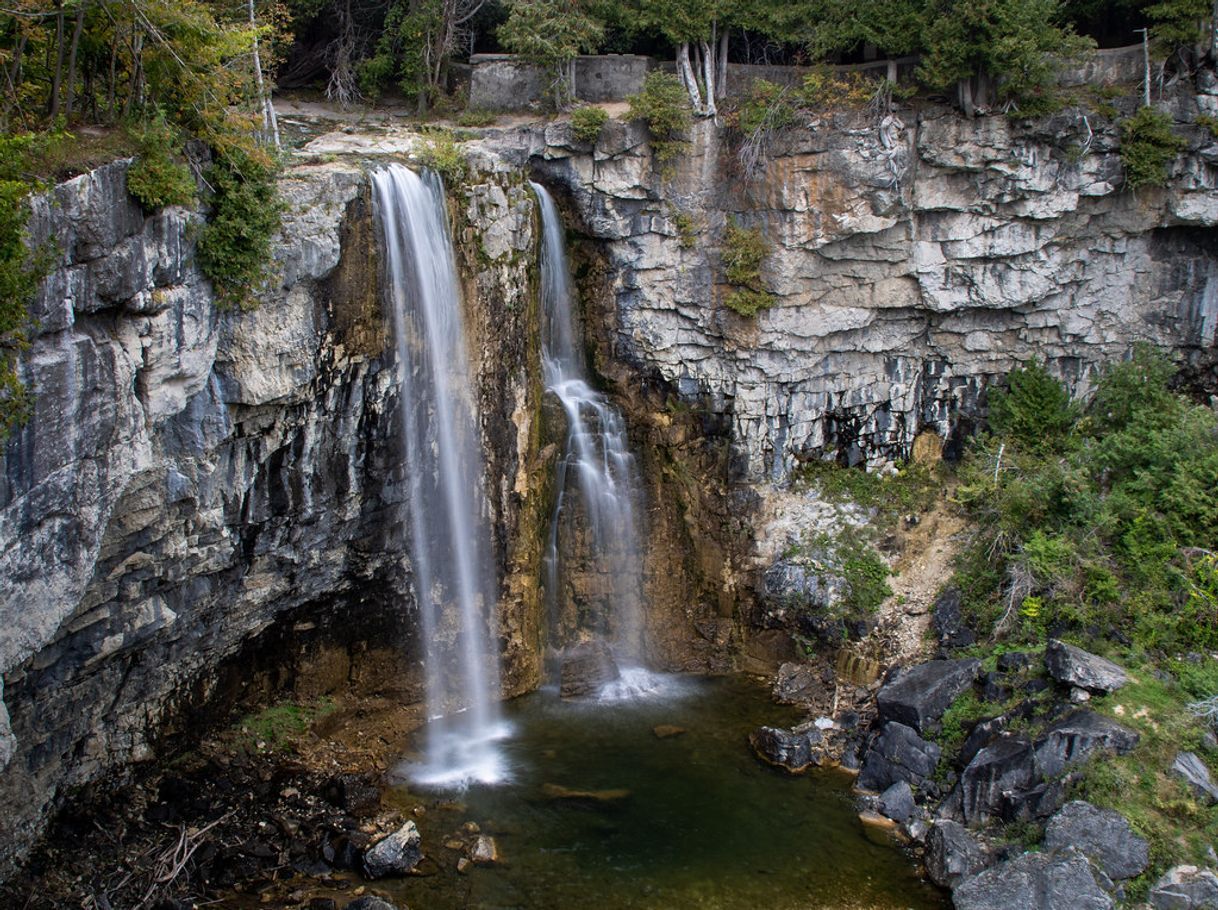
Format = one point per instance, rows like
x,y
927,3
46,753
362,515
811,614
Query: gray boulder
x,y
952,853
897,803
897,754
919,695
1034,881
1003,766
1074,739
396,854
1073,666
1192,770
1102,835
786,749
1185,888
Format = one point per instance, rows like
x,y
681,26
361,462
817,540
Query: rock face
x,y
586,670
1185,888
1101,835
1073,666
1192,770
919,695
952,854
898,754
1034,881
1076,738
203,502
395,854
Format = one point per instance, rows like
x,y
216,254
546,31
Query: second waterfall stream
x,y
597,475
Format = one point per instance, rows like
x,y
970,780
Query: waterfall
x,y
596,466
453,575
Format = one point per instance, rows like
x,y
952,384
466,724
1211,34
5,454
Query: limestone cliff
x,y
191,480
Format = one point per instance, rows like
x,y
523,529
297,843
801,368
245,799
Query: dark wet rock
x,y
948,620
1013,661
1038,802
897,802
1102,835
953,853
897,754
796,684
1006,764
994,687
1034,881
1076,738
322,903
357,794
918,696
983,732
1073,666
586,669
794,752
395,854
1185,888
369,902
1189,767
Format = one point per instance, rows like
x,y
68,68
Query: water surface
x,y
703,823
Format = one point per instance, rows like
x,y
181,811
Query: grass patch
x,y
912,489
279,727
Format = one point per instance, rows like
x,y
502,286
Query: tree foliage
x,y
1148,147
551,33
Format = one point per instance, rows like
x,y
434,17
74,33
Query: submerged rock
x,y
369,902
586,670
1073,666
667,731
1034,881
952,853
794,752
396,854
484,851
897,754
558,791
919,695
1103,836
1185,888
1192,770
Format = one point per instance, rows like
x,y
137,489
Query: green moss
x,y
278,727
912,489
687,230
443,155
1208,123
743,252
663,104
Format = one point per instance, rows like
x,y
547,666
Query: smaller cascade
x,y
450,554
596,475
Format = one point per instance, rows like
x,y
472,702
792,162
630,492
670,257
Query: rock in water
x,y
396,854
1185,888
1073,666
1192,770
1102,835
897,802
919,695
794,752
952,854
586,670
558,791
898,753
485,851
1034,881
368,902
667,731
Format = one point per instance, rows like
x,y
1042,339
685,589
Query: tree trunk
x,y
57,77
708,75
965,89
270,123
721,76
70,101
687,76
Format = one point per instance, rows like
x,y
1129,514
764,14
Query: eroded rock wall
x,y
190,479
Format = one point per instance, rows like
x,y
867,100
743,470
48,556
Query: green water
x,y
705,825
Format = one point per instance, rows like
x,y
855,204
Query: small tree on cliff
x,y
698,29
552,33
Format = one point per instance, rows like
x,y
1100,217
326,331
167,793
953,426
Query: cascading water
x,y
605,475
454,578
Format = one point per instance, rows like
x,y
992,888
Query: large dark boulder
x,y
948,619
918,696
1192,770
1074,739
953,854
1005,765
897,754
897,803
395,854
1185,888
1102,835
1073,666
1034,881
787,749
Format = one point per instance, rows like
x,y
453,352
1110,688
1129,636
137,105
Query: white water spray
x,y
597,453
454,577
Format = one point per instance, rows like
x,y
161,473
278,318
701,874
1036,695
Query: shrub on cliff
x,y
158,178
663,105
743,252
1148,147
587,122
